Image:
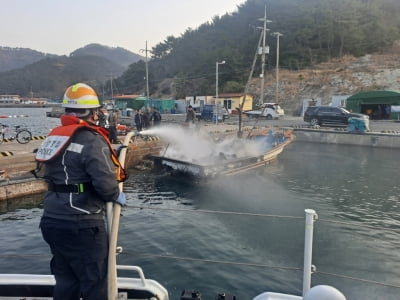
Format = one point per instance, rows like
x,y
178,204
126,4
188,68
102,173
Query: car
x,y
208,111
265,112
319,115
268,111
279,110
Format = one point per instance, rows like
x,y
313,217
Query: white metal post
x,y
311,216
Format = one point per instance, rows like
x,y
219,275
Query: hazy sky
x,y
61,26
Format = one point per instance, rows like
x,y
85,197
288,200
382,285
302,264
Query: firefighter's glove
x,y
119,149
121,200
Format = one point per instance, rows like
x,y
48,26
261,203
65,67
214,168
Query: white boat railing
x,y
311,217
318,292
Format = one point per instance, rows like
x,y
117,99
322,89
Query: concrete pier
x,y
342,137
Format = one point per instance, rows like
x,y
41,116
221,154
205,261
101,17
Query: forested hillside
x,y
313,31
117,55
49,77
14,58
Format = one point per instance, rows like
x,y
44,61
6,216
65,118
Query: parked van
x,y
209,113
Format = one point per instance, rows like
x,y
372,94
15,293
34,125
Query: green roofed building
x,y
377,104
128,101
135,102
164,106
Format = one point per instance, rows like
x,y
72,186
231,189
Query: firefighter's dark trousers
x,y
79,261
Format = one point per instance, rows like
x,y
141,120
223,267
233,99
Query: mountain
x,y
23,71
117,55
50,76
15,58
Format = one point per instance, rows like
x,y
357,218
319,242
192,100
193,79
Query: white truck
x,y
268,111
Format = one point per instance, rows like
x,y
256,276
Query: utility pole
x,y
264,51
246,89
112,91
277,34
216,89
147,71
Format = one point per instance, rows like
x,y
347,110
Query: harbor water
x,y
244,235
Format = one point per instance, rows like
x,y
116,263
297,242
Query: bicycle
x,y
21,134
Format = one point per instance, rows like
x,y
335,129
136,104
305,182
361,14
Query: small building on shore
x,y
9,99
136,102
231,101
129,101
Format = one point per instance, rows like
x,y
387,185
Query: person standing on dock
x,y
103,118
156,117
82,171
147,118
139,120
190,116
114,120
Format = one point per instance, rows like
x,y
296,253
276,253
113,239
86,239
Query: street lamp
x,y
277,34
216,89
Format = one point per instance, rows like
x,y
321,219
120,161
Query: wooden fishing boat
x,y
227,165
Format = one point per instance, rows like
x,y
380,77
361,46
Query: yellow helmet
x,y
80,95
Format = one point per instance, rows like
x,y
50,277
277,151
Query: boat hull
x,y
228,167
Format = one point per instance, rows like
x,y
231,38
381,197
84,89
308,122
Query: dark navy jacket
x,y
86,160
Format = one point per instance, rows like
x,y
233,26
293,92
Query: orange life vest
x,y
60,137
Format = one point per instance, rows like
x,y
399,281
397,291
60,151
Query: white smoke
x,y
198,146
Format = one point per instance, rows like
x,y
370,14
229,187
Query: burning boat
x,y
228,157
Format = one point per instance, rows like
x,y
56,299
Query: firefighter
x,y
82,172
